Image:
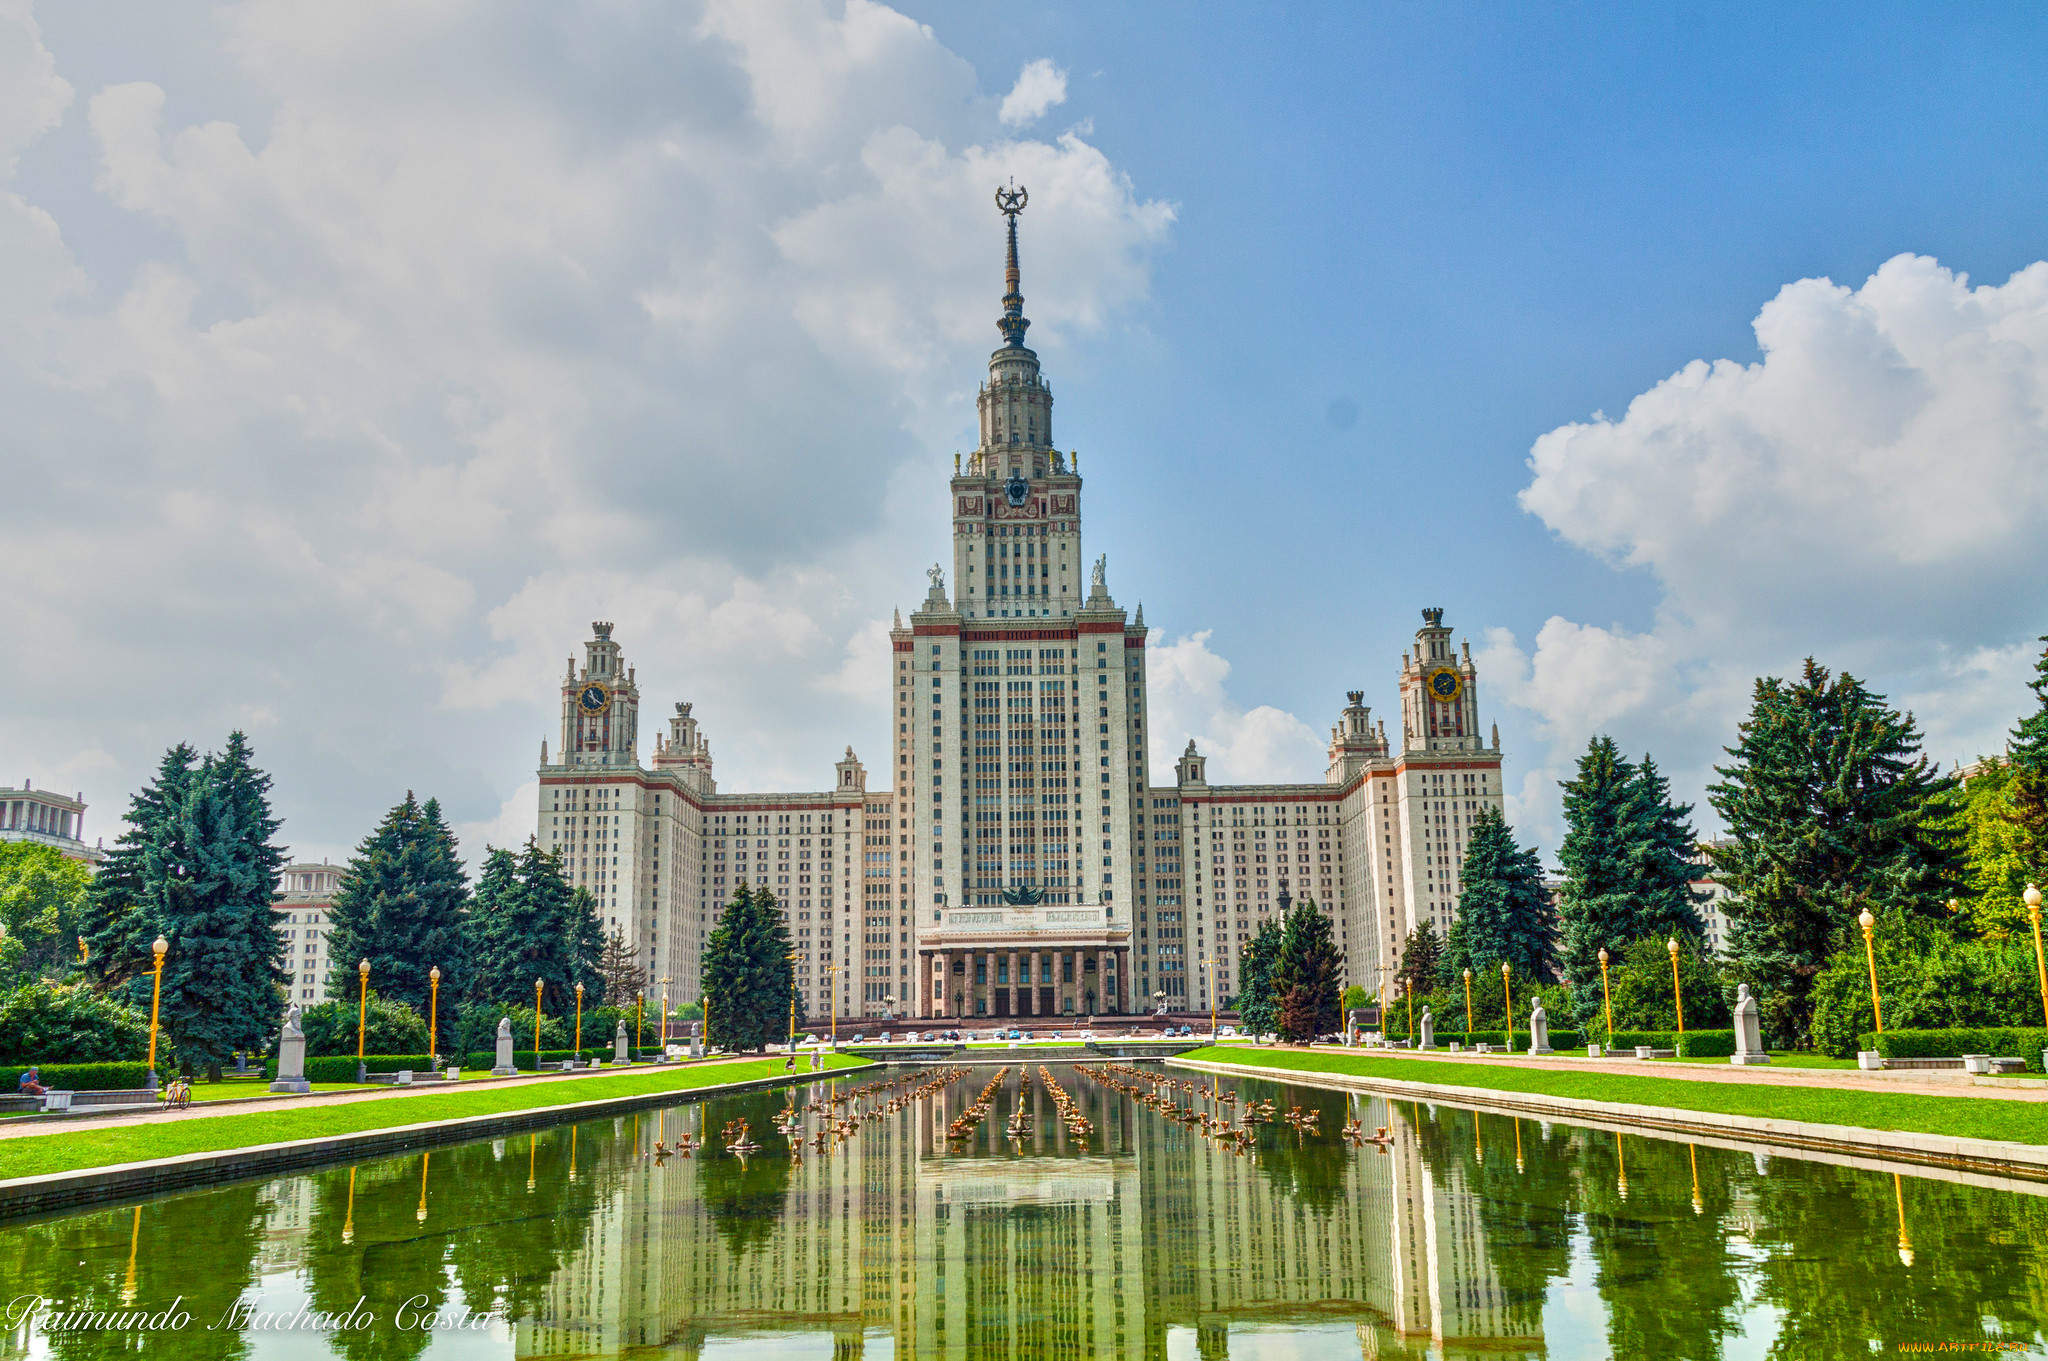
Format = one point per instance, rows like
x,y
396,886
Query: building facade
x,y
45,818
300,913
1022,862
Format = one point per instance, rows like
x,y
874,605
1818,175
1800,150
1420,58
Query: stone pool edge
x,y
23,1196
1999,1156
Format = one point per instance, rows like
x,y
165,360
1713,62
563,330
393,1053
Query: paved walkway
x,y
1920,1083
206,1110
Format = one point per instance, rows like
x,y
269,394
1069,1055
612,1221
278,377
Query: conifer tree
x,y
118,928
1503,912
401,905
1308,977
1832,810
1422,958
2029,796
747,973
1661,862
620,969
526,923
1258,1004
208,878
1626,863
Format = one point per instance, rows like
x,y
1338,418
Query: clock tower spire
x,y
1016,505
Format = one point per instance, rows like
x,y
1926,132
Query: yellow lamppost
x,y
1508,988
1606,998
1408,996
1905,1243
536,1024
434,1018
792,957
579,1020
639,1021
426,1161
1869,924
362,1016
833,985
162,946
2032,898
1210,965
1677,997
1468,1005
664,1016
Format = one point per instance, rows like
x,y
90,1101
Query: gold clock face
x,y
593,698
1444,685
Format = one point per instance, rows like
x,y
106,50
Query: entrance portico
x,y
1024,961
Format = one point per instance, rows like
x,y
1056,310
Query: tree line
x,y
1832,809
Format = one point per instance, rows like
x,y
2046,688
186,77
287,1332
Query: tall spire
x,y
1010,202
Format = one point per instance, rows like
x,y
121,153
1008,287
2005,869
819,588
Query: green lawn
x,y
70,1149
2023,1122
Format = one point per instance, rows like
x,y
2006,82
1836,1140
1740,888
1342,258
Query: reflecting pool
x,y
972,1214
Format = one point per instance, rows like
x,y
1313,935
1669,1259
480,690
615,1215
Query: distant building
x,y
1712,911
47,819
305,896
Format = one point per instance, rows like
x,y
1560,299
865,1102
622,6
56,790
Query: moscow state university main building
x,y
1015,858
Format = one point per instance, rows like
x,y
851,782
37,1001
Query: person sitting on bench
x,y
31,1082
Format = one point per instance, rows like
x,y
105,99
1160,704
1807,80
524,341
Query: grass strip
x,y
1959,1117
35,1155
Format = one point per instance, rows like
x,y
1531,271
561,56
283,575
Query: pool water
x,y
1066,1215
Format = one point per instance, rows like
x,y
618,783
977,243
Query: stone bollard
x,y
1539,1030
504,1067
1592,1051
291,1056
1870,1060
1978,1065
1749,1032
622,1048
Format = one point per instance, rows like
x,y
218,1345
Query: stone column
x,y
945,983
1101,982
1016,997
1032,998
921,980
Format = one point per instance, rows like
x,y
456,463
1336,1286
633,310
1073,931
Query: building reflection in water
x,y
1041,1246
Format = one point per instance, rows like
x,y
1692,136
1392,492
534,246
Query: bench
x,y
114,1096
1644,1051
1997,1065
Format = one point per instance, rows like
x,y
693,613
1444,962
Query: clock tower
x,y
600,706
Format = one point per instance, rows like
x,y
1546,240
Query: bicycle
x,y
178,1095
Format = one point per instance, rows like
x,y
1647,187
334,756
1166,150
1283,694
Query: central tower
x,y
1020,747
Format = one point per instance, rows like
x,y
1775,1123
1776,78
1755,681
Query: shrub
x,y
1639,985
1928,980
1559,1039
1706,1044
1998,1041
486,1059
44,1024
80,1077
342,1068
390,1027
478,1029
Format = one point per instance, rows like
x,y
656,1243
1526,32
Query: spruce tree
x,y
619,967
401,906
1308,977
2029,797
209,879
747,973
1503,911
1831,810
118,927
526,923
1422,958
1597,907
1258,1005
1660,861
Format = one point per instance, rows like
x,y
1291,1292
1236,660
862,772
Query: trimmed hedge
x,y
1559,1039
1998,1041
485,1060
1694,1044
80,1077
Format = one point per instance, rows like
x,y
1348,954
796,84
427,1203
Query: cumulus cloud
x,y
1190,698
485,326
1869,492
1040,85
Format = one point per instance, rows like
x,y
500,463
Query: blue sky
x,y
358,358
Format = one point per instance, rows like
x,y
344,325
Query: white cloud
x,y
481,327
1190,699
512,825
1870,493
1040,85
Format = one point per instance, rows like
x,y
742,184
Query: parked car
x,y
857,1039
